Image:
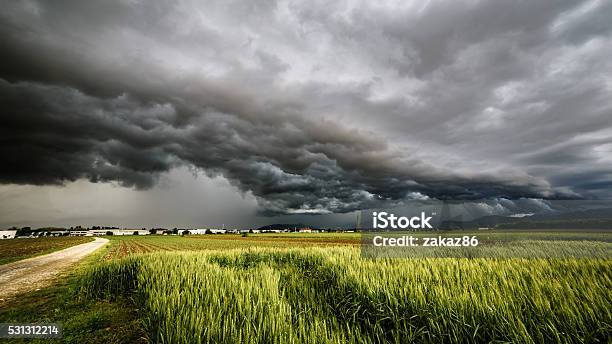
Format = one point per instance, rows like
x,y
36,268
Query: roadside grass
x,y
84,320
12,250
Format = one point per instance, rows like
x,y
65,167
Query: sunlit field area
x,y
120,246
282,289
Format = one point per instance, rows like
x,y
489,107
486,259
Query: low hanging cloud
x,y
312,109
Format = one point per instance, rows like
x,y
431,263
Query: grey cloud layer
x,y
312,108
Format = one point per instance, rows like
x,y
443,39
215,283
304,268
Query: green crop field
x,y
230,293
123,245
15,249
318,288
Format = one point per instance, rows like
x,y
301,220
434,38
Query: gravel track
x,y
37,272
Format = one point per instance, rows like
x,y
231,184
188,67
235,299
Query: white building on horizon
x,y
8,234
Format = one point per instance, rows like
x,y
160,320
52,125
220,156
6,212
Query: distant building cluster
x,y
27,232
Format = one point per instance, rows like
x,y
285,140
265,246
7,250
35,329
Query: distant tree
x,y
23,232
135,233
109,233
175,231
152,231
250,231
208,231
186,232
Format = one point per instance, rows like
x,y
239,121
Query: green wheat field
x,y
331,294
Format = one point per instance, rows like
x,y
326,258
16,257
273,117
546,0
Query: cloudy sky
x,y
196,113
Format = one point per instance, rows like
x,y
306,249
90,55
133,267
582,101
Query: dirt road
x,y
37,272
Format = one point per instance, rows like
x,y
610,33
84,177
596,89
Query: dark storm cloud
x,y
311,108
58,134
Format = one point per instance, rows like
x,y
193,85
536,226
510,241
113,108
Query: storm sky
x,y
238,112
